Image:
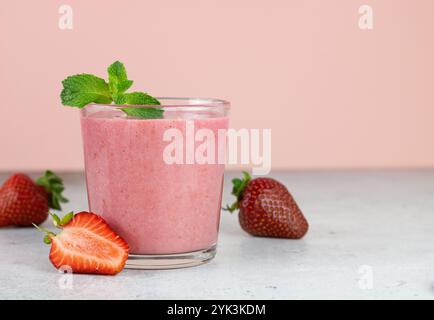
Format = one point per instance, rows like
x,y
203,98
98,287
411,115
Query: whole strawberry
x,y
267,209
23,201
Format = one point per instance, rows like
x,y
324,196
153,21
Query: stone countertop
x,y
371,236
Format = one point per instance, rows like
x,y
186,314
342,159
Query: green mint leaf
x,y
144,113
140,98
82,89
124,85
118,98
137,98
118,79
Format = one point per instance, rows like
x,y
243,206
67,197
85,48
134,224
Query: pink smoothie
x,y
156,207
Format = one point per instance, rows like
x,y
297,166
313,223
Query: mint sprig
x,y
82,89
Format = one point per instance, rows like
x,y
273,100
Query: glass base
x,y
170,261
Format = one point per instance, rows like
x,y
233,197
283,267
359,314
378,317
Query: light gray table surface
x,y
371,237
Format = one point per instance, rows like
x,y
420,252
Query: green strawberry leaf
x,y
237,190
67,218
48,234
59,223
237,184
47,239
56,219
53,184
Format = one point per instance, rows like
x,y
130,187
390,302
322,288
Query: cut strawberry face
x,y
87,244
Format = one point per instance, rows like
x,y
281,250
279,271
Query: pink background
x,y
334,96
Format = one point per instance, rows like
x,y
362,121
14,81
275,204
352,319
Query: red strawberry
x,y
267,208
86,244
23,202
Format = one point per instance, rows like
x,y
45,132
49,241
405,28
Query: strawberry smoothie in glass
x,y
152,181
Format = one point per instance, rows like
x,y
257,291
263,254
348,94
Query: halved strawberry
x,y
86,244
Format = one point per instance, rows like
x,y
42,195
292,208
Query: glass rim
x,y
173,102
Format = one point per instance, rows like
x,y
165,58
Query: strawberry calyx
x,y
53,185
48,233
237,190
58,223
